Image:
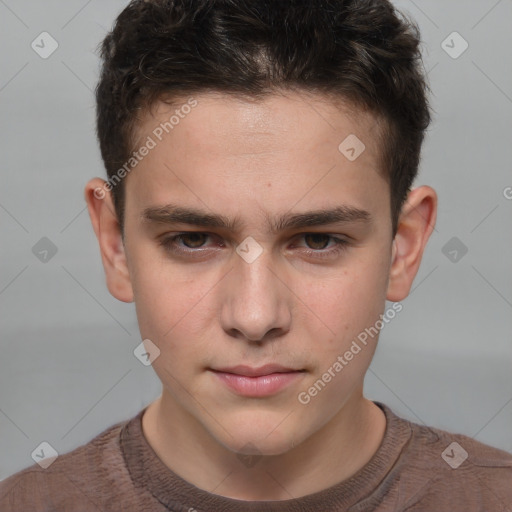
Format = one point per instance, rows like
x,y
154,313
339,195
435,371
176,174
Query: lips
x,y
248,371
258,382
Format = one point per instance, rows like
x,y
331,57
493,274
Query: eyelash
x,y
169,244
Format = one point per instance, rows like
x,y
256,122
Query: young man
x,y
259,213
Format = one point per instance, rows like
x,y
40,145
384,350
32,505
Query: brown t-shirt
x,y
416,468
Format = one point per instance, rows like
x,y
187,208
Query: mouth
x,y
258,382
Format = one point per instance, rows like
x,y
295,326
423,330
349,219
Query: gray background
x,y
67,369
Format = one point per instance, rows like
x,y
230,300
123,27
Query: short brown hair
x,y
364,51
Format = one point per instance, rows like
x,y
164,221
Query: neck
x,y
334,453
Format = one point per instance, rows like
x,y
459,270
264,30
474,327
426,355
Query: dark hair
x,y
363,51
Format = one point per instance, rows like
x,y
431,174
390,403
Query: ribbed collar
x,y
148,471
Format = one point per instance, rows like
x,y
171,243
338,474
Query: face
x,y
252,240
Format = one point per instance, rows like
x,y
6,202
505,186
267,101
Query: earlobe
x,y
106,227
416,223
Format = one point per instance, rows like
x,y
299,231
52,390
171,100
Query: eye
x,y
195,240
318,243
191,240
317,239
192,243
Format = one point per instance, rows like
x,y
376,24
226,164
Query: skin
x,y
254,160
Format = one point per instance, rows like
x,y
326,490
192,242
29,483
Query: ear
x,y
416,223
107,229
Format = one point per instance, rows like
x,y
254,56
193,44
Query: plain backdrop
x,y
67,368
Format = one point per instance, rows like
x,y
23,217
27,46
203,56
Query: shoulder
x,y
74,481
458,451
443,467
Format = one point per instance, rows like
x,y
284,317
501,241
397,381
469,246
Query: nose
x,y
256,304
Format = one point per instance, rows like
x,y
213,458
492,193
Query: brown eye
x,y
322,246
317,241
186,243
194,239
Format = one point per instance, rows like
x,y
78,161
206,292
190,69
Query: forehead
x,y
218,150
275,121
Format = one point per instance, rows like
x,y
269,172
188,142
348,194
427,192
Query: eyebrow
x,y
174,214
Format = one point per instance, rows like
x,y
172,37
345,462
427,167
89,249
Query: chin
x,y
260,434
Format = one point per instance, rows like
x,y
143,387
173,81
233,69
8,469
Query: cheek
x,y
172,311
162,297
156,306
349,302
349,305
